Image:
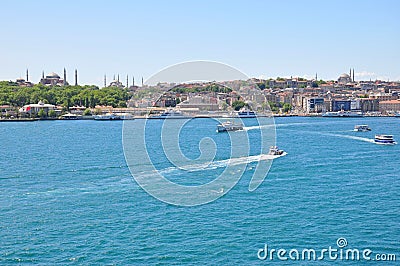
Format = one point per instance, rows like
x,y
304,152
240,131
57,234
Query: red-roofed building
x,y
389,106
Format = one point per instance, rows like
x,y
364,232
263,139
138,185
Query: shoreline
x,y
195,117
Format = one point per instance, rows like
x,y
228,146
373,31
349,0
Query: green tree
x,y
52,113
286,107
87,112
97,111
237,105
41,113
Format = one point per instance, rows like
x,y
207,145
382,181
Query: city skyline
x,y
262,40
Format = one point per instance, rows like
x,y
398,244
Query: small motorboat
x,y
274,150
362,128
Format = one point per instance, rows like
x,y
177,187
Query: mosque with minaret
x,y
346,78
53,79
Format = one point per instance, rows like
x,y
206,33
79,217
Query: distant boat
x,y
125,116
343,114
171,114
246,113
109,117
384,139
362,128
229,126
70,116
274,150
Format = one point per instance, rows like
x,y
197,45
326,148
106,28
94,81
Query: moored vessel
x,y
109,116
229,126
170,114
343,114
246,113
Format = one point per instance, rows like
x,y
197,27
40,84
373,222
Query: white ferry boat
x,y
246,113
362,128
343,114
70,116
109,116
171,114
125,116
385,139
229,126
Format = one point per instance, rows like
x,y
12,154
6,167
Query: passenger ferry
x,y
171,114
109,116
246,113
343,114
362,128
385,139
229,126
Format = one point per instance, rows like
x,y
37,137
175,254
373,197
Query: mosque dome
x,y
344,75
53,75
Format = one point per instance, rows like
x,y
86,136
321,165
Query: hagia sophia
x,y
51,79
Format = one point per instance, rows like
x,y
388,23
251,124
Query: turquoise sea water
x,y
67,197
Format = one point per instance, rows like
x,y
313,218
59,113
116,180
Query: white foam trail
x,y
351,137
283,125
215,164
256,127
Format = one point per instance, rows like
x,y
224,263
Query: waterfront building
x,y
314,105
339,105
203,103
383,96
389,106
34,108
369,105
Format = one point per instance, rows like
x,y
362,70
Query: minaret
x,y
65,77
350,73
127,81
43,74
142,81
316,76
353,75
133,81
27,75
118,78
76,77
105,80
114,77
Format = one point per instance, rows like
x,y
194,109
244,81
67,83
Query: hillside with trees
x,y
88,95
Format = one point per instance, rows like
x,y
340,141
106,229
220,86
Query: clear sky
x,y
260,38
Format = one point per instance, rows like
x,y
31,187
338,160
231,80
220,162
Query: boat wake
x,y
214,164
256,127
351,137
284,125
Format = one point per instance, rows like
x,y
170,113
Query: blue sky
x,y
260,38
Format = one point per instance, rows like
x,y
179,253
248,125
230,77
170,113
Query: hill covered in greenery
x,y
88,95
